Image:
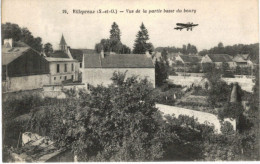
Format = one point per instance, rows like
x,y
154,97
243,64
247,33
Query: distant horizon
x,y
218,22
169,46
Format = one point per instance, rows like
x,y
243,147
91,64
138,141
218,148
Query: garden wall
x,y
202,117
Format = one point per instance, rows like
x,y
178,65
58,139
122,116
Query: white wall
x,y
26,82
245,83
201,116
57,78
95,76
185,80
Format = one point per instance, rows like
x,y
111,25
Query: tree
x,y
113,44
165,55
184,49
103,45
141,44
188,48
193,50
219,90
10,30
47,48
220,45
161,71
115,123
115,32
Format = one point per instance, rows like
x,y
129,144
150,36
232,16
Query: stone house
x,y
99,68
23,68
187,63
63,67
218,60
243,60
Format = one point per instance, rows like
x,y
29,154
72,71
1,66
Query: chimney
x,y
102,54
147,54
233,97
8,43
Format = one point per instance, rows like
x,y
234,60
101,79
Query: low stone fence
x,y
56,91
202,117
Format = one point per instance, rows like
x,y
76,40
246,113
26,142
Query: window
x,y
65,77
72,67
60,77
58,68
80,65
54,78
65,68
72,77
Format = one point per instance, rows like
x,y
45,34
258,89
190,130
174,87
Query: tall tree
x,y
161,71
141,44
47,48
115,32
165,55
113,44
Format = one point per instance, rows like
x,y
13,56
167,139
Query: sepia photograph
x,y
130,81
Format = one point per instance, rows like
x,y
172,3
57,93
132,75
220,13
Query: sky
x,y
227,21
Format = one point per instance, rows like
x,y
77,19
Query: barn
x,y
23,68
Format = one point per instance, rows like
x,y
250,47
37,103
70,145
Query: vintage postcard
x,y
121,81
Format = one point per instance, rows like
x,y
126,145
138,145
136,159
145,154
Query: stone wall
x,y
202,117
25,82
95,76
245,83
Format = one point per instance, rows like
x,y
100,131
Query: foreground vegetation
x,y
121,123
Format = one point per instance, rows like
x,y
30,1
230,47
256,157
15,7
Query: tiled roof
x,y
118,61
88,51
173,55
220,57
76,54
59,54
245,56
92,61
191,58
10,54
239,59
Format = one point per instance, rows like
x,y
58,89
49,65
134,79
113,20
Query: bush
x,y
198,91
19,106
227,128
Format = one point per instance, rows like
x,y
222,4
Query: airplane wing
x,y
183,25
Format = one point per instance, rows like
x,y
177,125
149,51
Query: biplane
x,y
188,26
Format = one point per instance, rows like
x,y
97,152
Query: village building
x,y
63,67
243,60
218,60
188,59
172,57
23,68
187,63
99,68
